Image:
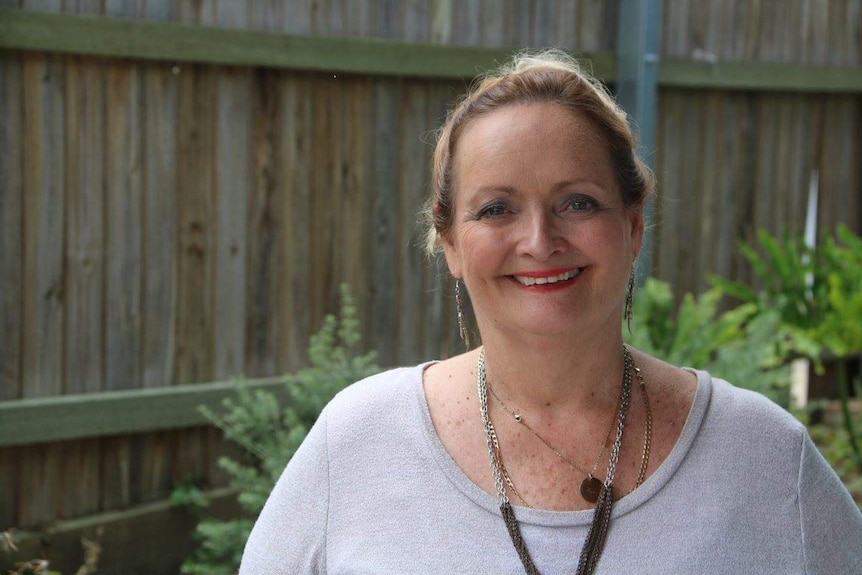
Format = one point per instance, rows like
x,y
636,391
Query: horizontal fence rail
x,y
78,416
172,42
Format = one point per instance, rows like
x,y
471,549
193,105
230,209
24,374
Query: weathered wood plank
x,y
332,195
161,10
412,167
154,475
690,196
767,165
298,19
198,229
39,495
385,218
466,24
707,188
567,24
85,241
265,229
267,15
81,486
516,23
11,226
160,193
417,22
123,190
160,261
44,163
668,172
231,190
357,195
591,24
100,414
40,489
491,32
231,179
196,159
733,126
321,247
9,462
42,5
124,273
174,42
387,18
839,176
441,21
85,265
296,135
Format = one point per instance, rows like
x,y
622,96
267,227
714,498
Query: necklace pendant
x,y
591,488
518,418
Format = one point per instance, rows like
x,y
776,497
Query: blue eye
x,y
582,204
493,211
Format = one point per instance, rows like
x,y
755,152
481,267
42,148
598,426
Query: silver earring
x,y
630,296
459,306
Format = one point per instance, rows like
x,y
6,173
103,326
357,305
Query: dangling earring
x,y
630,296
462,325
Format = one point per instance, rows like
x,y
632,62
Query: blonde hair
x,y
550,76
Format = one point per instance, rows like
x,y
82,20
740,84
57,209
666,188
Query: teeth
x,y
528,281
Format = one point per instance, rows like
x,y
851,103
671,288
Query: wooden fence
x,y
183,189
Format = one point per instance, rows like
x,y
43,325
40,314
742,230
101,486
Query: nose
x,y
540,236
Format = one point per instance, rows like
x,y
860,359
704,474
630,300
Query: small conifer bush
x,y
269,432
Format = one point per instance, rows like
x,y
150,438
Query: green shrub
x,y
817,292
737,345
818,296
269,432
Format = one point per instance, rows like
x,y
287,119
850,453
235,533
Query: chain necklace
x,y
591,486
598,532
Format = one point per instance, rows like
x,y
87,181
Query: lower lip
x,y
544,288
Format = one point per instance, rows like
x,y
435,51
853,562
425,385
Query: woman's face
x,y
540,235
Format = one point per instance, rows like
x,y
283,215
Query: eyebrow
x,y
559,186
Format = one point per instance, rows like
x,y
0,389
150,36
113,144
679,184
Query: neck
x,y
555,374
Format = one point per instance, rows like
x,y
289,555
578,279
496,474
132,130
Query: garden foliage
x,y
818,295
737,345
269,431
817,292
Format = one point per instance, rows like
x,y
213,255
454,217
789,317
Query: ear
x,y
453,259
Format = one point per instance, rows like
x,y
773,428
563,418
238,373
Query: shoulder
x,y
740,431
376,391
377,404
745,409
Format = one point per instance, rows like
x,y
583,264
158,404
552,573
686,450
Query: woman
x,y
552,448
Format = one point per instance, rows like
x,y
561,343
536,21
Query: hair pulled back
x,y
551,76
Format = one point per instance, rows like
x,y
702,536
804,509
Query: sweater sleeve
x,y
831,522
289,536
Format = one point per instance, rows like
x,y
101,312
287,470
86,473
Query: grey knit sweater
x,y
372,490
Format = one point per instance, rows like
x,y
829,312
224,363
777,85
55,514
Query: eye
x,y
580,204
494,210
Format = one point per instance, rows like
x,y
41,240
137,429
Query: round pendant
x,y
591,488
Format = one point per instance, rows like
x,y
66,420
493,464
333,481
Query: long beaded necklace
x,y
591,485
598,532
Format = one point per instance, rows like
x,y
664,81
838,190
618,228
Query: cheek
x,y
471,246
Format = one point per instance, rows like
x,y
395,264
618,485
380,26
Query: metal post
x,y
638,49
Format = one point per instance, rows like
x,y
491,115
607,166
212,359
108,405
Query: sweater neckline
x,y
542,517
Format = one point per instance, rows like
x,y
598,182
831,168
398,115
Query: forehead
x,y
540,139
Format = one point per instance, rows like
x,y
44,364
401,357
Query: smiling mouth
x,y
530,281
